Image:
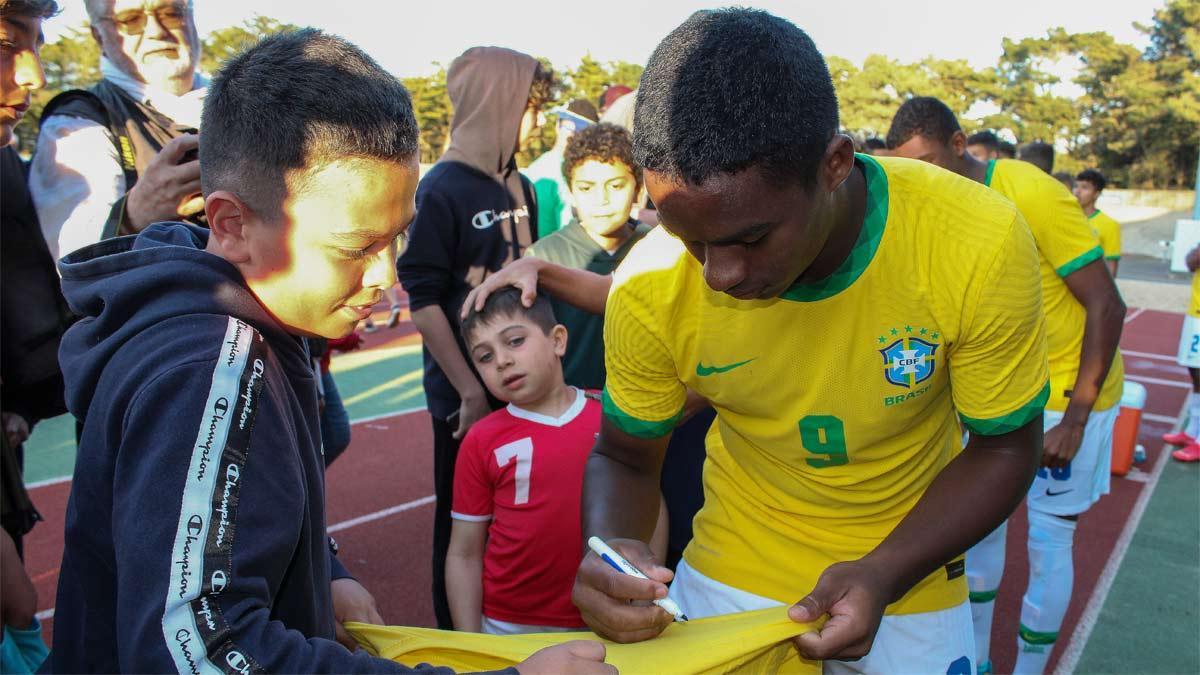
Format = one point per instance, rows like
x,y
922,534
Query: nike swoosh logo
x,y
1050,493
704,371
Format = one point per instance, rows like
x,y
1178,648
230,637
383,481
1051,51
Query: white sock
x,y
985,567
1193,424
1051,577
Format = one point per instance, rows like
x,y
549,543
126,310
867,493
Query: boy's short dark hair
x,y
1094,177
1039,154
734,88
603,142
923,116
39,9
1065,178
507,302
987,139
1006,149
293,101
874,143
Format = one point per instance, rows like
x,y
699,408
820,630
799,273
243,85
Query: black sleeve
x,y
185,599
425,269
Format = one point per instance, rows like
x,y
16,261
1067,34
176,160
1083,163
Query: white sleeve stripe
x,y
469,518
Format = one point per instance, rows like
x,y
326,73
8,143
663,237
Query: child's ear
x,y
558,335
227,218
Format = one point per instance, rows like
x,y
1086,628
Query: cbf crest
x,y
911,357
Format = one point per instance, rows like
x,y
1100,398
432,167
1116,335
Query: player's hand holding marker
x,y
616,605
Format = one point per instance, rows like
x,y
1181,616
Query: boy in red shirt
x,y
516,543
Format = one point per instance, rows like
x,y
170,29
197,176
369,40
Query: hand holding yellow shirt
x,y
749,642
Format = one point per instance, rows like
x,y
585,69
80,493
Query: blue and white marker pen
x,y
619,563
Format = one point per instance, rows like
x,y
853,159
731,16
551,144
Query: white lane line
x,y
1158,380
1148,355
1073,650
363,420
383,513
1136,314
1165,419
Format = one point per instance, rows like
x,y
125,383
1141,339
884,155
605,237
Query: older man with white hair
x,y
117,157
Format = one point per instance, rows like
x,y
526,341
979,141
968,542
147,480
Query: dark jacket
x,y
195,530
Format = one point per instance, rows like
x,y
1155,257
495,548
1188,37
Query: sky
x,y
409,37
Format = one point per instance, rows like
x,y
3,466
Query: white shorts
x,y
498,627
1072,490
1189,343
929,642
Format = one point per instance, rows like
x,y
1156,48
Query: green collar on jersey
x,y
864,249
987,178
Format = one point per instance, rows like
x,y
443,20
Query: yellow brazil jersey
x,y
1065,243
836,401
1194,305
1109,232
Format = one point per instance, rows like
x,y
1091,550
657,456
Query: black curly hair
x,y
604,142
734,88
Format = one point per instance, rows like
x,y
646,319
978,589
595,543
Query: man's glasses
x,y
133,22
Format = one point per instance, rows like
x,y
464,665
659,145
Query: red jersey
x,y
523,471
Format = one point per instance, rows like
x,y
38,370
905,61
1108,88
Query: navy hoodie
x,y
195,531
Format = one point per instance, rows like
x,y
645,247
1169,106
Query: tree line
x,y
1137,120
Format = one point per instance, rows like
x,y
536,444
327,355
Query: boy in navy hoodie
x,y
195,533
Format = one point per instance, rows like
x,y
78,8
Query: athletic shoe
x,y
394,317
1178,438
369,326
1190,453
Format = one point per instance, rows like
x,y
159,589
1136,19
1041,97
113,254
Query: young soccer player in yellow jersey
x,y
1189,357
1084,316
837,310
1087,188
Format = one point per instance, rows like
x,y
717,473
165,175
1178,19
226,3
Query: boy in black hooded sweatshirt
x,y
475,214
195,531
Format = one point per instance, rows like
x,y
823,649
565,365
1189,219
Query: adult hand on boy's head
x,y
577,656
522,274
352,602
854,595
618,606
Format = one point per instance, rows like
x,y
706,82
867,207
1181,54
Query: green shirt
x,y
583,365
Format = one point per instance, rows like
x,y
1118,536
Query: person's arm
x,y
938,528
439,338
579,288
18,596
1093,287
74,179
170,608
464,574
621,501
1112,264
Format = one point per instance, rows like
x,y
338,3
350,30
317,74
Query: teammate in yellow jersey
x,y
1189,357
1087,188
1084,316
837,310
